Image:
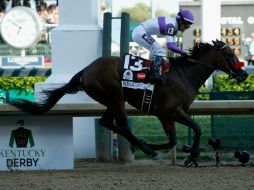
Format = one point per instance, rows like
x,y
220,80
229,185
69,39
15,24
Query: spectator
x,y
2,8
103,9
1,15
53,14
249,42
43,13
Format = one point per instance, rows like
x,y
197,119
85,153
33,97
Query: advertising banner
x,y
36,143
22,61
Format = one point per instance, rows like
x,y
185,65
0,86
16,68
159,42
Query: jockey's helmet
x,y
185,15
20,122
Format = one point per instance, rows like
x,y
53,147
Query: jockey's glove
x,y
185,55
166,60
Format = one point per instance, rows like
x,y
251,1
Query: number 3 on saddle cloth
x,y
135,76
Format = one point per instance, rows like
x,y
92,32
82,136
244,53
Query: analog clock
x,y
21,27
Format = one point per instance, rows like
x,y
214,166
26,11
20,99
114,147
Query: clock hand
x,y
18,31
18,26
14,23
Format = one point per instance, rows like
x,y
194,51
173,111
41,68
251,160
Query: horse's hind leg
x,y
107,120
122,125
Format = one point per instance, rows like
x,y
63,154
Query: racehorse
x,y
171,99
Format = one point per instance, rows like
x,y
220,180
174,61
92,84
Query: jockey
x,y
167,26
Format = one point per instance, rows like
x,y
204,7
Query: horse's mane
x,y
199,49
195,52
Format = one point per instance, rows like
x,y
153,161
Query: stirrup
x,y
155,77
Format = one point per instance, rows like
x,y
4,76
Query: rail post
x,y
106,36
124,36
124,150
124,147
103,135
102,142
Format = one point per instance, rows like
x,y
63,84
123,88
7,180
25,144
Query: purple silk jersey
x,y
164,26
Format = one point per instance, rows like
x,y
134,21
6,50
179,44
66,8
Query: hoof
x,y
190,161
157,157
158,160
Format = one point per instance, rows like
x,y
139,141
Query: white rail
x,y
216,107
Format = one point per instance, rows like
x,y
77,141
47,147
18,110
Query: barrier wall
x,y
56,145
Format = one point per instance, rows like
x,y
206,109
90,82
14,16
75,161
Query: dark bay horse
x,y
171,99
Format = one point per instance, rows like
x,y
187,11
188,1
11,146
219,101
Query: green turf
x,y
150,129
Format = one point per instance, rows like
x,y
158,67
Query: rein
x,y
198,62
237,66
217,67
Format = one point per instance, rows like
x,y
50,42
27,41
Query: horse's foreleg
x,y
184,119
169,129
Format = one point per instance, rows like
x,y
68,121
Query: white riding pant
x,y
140,36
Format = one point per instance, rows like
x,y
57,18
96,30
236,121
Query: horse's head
x,y
228,62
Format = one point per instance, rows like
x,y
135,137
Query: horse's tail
x,y
52,97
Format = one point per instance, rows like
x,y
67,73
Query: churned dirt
x,y
138,175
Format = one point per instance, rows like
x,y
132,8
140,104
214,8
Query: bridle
x,y
227,69
218,66
232,72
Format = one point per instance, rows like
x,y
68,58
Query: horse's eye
x,y
229,54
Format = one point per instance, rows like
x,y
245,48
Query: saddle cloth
x,y
135,76
136,71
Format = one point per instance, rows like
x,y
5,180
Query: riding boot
x,y
155,69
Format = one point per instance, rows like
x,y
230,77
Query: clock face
x,y
21,27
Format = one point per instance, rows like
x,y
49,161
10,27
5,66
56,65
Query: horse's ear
x,y
214,42
217,42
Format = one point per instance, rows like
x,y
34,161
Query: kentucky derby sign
x,y
32,144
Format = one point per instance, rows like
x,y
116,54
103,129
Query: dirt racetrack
x,y
139,175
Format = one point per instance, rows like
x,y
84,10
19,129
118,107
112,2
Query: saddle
x,y
135,75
